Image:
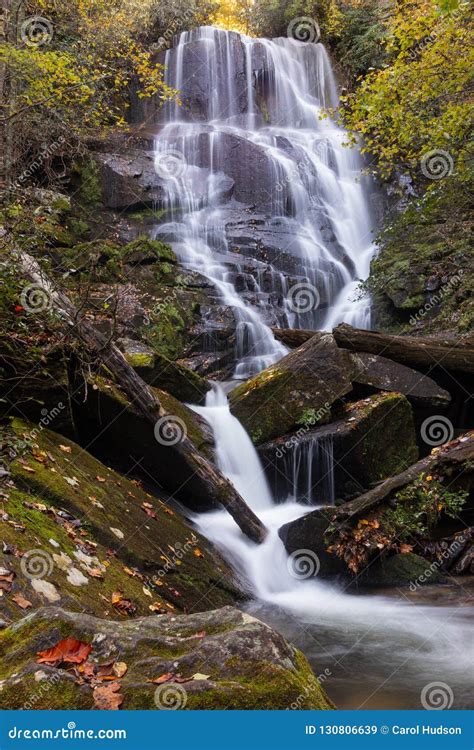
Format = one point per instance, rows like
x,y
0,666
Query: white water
x,y
267,99
315,193
394,646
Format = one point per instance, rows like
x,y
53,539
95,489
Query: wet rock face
x,y
232,660
373,439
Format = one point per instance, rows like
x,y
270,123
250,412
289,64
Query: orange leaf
x,y
108,697
21,601
198,552
69,650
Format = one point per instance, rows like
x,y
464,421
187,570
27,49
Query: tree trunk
x,y
292,337
451,354
141,395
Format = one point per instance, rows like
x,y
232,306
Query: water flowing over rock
x,y
251,169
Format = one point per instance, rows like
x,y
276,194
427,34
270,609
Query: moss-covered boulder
x,y
34,380
401,570
299,389
117,432
228,659
158,370
62,501
372,439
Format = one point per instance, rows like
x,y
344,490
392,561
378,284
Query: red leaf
x,y
68,650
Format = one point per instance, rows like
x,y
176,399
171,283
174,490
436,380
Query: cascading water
x,y
254,171
254,167
379,652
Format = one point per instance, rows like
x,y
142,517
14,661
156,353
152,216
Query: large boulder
x,y
386,375
156,369
105,417
93,532
299,389
373,439
222,659
129,179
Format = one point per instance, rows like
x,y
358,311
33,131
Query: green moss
x,y
116,503
87,176
420,279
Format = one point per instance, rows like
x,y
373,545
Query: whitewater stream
x,y
257,170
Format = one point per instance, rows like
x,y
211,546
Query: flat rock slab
x,y
228,659
386,375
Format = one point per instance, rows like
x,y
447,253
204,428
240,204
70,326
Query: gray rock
x,y
232,661
386,375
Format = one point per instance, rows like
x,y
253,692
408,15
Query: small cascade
x,y
308,469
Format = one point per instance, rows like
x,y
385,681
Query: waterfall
x,y
255,169
308,471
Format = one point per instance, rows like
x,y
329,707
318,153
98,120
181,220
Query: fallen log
x,y
455,457
292,337
426,352
144,399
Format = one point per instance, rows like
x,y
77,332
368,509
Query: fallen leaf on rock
x,y
124,606
156,607
198,552
73,481
166,677
405,548
120,668
119,534
6,579
95,573
101,479
19,599
68,650
199,676
108,697
65,448
148,510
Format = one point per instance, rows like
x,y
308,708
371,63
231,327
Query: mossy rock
x,y
373,438
34,381
300,388
237,662
105,418
421,282
139,529
401,570
156,369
